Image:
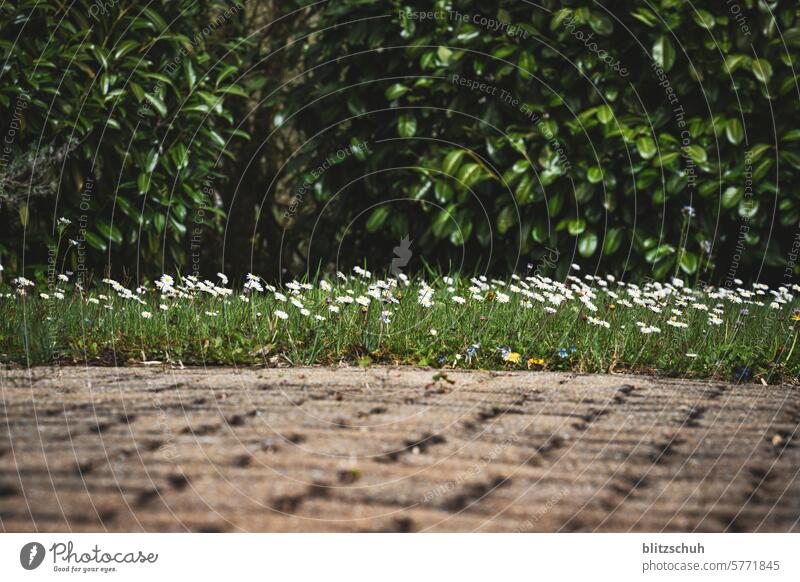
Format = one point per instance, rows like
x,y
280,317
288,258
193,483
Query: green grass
x,y
103,326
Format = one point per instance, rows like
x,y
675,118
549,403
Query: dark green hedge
x,y
645,138
122,123
652,137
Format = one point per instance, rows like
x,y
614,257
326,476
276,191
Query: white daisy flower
x,y
599,322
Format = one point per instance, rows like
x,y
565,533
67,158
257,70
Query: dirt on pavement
x,y
392,449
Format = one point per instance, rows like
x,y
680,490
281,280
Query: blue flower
x,y
742,373
572,349
472,349
562,353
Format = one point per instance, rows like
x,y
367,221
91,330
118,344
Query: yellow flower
x,y
796,317
535,362
512,357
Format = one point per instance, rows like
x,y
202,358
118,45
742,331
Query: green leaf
x,y
110,232
605,114
524,191
526,64
646,146
697,153
759,150
377,218
594,175
462,233
506,218
159,221
539,233
792,37
748,208
791,135
395,91
601,23
224,74
762,70
156,102
471,174
612,241
587,244
152,161
658,253
664,52
179,227
443,192
791,158
188,71
554,204
646,16
688,262
663,268
521,166
95,241
734,131
443,221
232,90
703,18
559,16
143,182
155,18
576,226
215,136
731,196
733,62
125,47
407,125
452,161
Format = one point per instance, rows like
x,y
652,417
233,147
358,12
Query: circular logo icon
x,y
31,555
